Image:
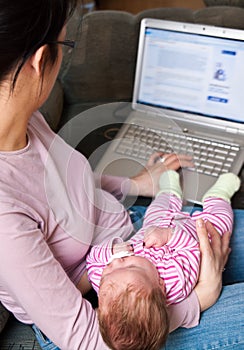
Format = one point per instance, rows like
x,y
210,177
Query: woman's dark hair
x,y
26,25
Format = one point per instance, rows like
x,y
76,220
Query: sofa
x,y
101,70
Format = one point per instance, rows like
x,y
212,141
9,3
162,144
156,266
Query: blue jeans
x,y
221,326
43,341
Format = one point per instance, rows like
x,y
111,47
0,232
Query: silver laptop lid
x,y
191,71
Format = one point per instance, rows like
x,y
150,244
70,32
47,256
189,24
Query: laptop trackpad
x,y
195,185
123,167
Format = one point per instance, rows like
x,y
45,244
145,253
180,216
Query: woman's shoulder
x,y
54,143
39,128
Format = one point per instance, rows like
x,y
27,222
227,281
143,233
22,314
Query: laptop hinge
x,y
232,130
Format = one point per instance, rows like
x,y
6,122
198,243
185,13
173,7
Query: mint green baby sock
x,y
169,182
226,185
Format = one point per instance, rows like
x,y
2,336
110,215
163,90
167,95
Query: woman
x,y
52,208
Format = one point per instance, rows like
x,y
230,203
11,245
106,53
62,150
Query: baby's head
x,y
132,309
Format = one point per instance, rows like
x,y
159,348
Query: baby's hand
x,y
122,247
157,236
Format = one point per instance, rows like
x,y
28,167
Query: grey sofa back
x,y
102,66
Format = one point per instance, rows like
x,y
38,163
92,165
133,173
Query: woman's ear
x,y
37,59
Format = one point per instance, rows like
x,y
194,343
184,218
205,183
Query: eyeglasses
x,y
70,43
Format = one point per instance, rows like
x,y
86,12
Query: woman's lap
x,y
234,271
44,342
220,327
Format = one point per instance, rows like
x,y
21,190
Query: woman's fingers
x,y
154,158
214,253
171,161
212,244
205,246
214,236
175,161
219,244
146,183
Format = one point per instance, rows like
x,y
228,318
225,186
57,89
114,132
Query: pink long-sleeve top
x,y
52,210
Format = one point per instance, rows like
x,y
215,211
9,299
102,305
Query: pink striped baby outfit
x,y
178,260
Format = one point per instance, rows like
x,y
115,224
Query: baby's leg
x,y
168,199
169,196
216,202
225,187
219,212
169,182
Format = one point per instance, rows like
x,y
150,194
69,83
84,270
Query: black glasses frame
x,y
69,43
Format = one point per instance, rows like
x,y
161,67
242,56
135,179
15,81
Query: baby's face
x,y
131,270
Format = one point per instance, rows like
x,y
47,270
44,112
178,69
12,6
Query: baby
x,y
136,280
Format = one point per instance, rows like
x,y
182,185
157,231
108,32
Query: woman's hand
x,y
146,183
214,255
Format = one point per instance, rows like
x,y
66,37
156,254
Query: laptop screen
x,y
193,73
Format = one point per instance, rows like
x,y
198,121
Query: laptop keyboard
x,y
211,158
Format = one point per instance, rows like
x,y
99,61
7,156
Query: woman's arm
x,y
146,182
31,275
214,256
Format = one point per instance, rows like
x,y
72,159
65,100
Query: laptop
x,y
188,95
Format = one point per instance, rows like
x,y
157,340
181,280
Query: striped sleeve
x,y
97,260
